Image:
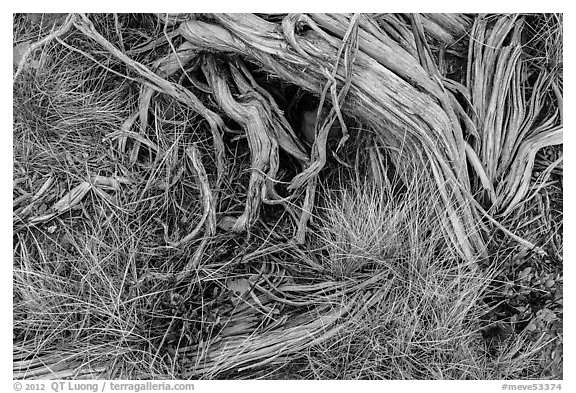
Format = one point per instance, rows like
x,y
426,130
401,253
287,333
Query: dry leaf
x,y
72,198
226,223
239,286
18,53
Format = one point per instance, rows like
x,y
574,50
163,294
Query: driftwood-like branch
x,y
510,130
389,91
254,112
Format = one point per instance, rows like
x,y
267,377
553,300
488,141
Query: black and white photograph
x,y
286,196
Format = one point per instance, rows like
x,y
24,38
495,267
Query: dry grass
x,y
104,208
425,324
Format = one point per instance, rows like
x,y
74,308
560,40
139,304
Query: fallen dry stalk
x,y
208,200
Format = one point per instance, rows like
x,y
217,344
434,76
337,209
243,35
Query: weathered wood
x,y
389,91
